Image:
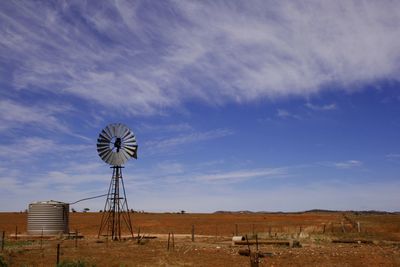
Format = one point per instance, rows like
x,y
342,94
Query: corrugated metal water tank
x,y
51,217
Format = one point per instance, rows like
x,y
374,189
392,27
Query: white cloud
x,y
169,167
393,156
348,164
186,139
31,148
321,107
284,114
17,115
166,128
141,59
242,175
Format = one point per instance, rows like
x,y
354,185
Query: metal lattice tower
x,y
116,210
115,145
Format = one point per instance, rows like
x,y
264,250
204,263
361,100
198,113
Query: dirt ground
x,y
379,240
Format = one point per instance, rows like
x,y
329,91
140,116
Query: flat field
x,y
326,239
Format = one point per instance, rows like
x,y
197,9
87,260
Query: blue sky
x,y
260,105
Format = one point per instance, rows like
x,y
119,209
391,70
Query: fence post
x,y
16,232
41,239
343,229
169,236
359,227
3,238
323,231
58,254
76,238
173,241
257,242
192,232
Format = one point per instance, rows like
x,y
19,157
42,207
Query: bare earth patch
x,y
379,240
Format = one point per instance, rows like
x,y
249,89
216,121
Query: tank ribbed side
x,y
50,217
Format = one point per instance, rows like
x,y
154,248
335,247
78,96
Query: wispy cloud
x,y
30,148
178,127
321,107
393,156
348,164
169,167
145,59
241,175
17,115
162,144
284,114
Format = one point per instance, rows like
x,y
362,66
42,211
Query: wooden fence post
x,y
359,227
257,242
3,239
41,239
169,236
192,232
58,254
173,241
76,238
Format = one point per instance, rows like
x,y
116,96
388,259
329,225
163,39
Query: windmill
x,y
115,145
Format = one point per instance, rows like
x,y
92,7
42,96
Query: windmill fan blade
x,y
101,142
102,153
120,158
126,134
107,130
130,151
130,140
114,159
125,155
130,144
107,156
105,135
120,130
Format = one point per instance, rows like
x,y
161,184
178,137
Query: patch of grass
x,y
21,243
2,262
78,263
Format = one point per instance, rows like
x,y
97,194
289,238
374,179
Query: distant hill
x,y
363,212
